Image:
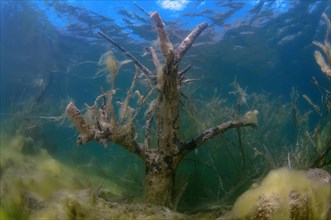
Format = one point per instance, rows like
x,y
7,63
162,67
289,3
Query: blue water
x,y
49,52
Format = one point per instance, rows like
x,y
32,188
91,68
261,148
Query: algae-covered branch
x,y
104,124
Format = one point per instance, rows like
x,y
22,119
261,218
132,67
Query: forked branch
x,y
104,132
167,47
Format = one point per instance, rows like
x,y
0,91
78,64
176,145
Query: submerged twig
x,y
188,41
165,44
182,73
142,9
144,69
220,129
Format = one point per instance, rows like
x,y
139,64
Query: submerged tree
x,y
102,124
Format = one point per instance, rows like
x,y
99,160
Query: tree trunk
x,y
162,160
159,186
160,177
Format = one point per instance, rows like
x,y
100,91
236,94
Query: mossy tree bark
x,y
162,160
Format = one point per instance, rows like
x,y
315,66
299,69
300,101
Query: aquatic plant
x,y
287,194
322,130
37,186
297,194
101,122
325,64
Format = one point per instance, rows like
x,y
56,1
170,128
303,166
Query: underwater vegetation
x,y
295,194
287,194
198,153
36,186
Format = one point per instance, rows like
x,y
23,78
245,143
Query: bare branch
x,y
144,69
142,9
188,41
165,45
126,110
249,120
182,73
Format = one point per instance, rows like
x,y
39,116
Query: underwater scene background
x,y
255,54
